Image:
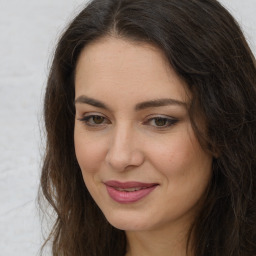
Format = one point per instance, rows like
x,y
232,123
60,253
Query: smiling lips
x,y
128,192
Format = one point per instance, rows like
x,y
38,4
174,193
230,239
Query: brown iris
x,y
98,119
160,121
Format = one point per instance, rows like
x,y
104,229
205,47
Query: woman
x,y
150,118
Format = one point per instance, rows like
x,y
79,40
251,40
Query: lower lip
x,y
124,197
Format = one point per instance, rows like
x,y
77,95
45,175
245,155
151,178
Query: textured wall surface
x,y
28,32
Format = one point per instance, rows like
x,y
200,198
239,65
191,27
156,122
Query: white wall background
x,y
28,32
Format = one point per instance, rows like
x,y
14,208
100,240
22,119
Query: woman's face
x,y
139,156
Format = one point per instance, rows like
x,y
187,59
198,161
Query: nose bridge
x,y
123,135
123,150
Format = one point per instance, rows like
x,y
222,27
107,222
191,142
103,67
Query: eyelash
x,y
86,120
168,121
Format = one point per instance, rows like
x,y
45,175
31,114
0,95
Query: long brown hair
x,y
207,49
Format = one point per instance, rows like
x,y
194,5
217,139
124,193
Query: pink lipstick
x,y
128,192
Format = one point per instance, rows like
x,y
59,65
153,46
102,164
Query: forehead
x,y
113,64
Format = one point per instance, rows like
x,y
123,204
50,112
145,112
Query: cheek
x,y
90,152
170,152
182,161
186,170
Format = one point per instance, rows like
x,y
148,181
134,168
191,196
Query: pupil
x,y
160,121
98,119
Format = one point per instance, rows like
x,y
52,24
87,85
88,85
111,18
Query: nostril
x,y
121,160
118,160
124,150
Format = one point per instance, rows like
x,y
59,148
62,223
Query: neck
x,y
165,242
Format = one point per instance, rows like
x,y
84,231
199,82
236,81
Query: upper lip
x,y
129,184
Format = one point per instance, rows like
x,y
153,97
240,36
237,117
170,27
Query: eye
x,y
97,119
94,120
161,122
158,121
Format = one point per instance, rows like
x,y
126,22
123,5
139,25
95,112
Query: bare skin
x,y
132,124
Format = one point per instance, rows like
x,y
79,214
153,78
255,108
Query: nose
x,y
124,150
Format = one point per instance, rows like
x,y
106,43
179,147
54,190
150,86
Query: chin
x,y
128,223
129,226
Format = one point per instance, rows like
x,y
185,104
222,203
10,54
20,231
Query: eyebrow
x,y
159,103
140,106
90,101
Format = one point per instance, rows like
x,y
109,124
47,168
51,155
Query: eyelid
x,y
86,117
170,121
